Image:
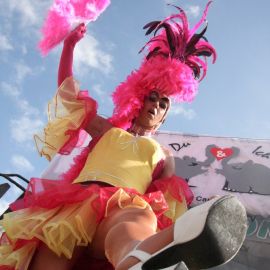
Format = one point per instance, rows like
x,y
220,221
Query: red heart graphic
x,y
221,153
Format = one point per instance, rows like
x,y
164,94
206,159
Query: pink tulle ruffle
x,y
51,193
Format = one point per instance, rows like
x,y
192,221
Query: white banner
x,y
219,166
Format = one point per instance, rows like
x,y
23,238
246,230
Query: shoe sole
x,y
222,236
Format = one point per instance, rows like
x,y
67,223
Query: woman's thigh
x,y
142,217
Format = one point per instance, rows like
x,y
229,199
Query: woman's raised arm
x,y
66,60
97,125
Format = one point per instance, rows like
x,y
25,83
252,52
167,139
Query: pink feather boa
x,y
62,17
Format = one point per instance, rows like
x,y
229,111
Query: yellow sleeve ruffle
x,y
68,112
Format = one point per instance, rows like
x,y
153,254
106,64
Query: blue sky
x,y
233,100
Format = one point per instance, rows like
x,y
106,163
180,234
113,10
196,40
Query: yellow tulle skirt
x,y
61,228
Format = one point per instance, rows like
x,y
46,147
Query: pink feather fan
x,y
64,15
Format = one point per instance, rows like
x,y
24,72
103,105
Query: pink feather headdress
x,y
173,65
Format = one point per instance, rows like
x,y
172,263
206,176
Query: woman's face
x,y
153,111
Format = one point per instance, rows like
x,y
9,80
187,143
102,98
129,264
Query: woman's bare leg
x,y
149,243
119,233
227,217
45,259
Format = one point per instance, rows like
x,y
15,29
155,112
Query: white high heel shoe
x,y
208,235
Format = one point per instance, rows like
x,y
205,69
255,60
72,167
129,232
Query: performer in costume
x,y
120,197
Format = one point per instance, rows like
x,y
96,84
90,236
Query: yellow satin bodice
x,y
123,160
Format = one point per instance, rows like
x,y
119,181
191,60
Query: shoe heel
x,y
205,236
192,223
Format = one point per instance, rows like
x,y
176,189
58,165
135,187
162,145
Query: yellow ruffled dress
x,y
65,214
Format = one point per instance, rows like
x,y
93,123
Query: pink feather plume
x,y
62,17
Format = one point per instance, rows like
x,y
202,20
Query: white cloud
x,y
98,90
29,12
27,109
21,163
21,19
23,128
22,70
180,110
5,45
29,122
88,54
21,103
25,9
9,90
24,49
190,10
193,11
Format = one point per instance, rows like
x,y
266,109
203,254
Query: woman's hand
x,y
75,35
